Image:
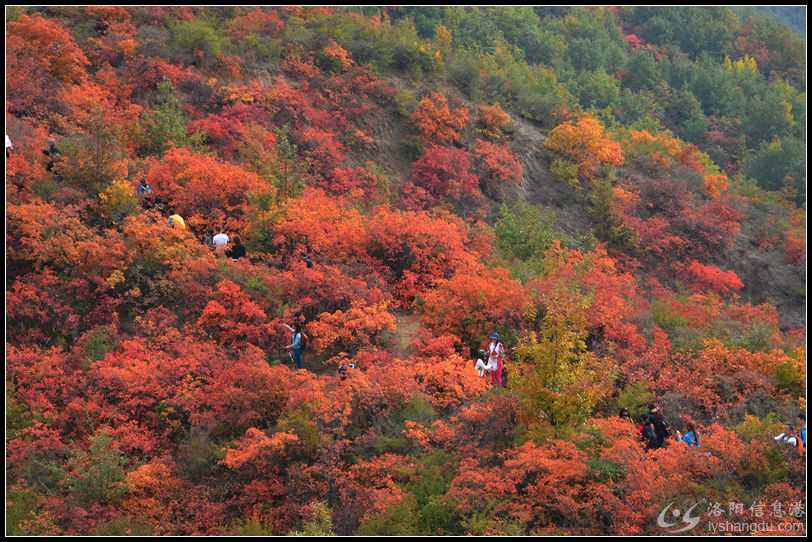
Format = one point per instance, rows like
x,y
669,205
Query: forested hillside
x,y
618,193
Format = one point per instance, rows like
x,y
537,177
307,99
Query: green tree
x,y
559,382
319,523
96,475
641,72
776,161
684,113
597,89
165,124
769,115
191,38
524,230
398,519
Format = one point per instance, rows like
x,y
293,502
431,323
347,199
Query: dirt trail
x,y
408,326
539,186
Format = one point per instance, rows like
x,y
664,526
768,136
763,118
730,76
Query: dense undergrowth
x,y
147,388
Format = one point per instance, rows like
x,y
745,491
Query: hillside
x,y
792,16
618,193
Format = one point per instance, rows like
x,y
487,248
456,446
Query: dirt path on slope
x,y
408,327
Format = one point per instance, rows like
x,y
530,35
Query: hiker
x,y
51,152
342,369
660,424
649,435
175,220
690,437
9,146
144,191
297,343
788,437
144,188
794,437
219,242
237,251
496,354
481,366
624,414
308,262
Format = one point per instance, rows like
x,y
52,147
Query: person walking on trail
x,y
342,369
297,343
175,220
9,146
219,242
690,437
52,152
802,430
237,251
144,191
496,354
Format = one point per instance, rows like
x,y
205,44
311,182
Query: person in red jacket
x,y
496,357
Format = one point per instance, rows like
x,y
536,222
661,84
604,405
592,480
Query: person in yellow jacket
x,y
175,220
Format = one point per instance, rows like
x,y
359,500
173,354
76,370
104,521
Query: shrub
x,y
398,519
96,475
524,231
118,200
165,124
319,522
197,37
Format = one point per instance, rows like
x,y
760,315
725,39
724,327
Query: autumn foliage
x,y
437,122
585,143
398,197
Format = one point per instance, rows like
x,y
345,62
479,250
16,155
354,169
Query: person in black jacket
x,y
237,251
661,427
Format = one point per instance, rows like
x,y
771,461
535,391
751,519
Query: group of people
x,y
494,368
654,431
51,151
219,242
222,245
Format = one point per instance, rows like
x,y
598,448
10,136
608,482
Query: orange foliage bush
x,y
437,122
710,276
493,121
473,302
585,143
205,191
148,389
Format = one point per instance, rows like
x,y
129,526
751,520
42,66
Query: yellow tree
x,y
559,380
584,143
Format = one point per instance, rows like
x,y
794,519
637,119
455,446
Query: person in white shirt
x,y
496,358
481,365
220,241
788,437
9,146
